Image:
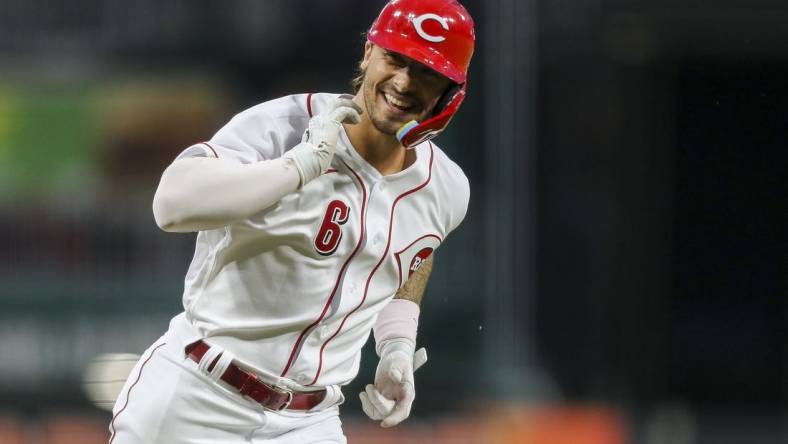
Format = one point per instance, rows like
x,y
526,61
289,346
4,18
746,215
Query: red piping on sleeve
x,y
396,255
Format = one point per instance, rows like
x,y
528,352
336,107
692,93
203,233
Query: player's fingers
x,y
401,409
395,373
347,100
378,406
381,403
352,104
346,114
339,109
368,408
400,413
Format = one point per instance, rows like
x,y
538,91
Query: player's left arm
x,y
389,400
414,287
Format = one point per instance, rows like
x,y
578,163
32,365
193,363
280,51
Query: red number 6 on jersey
x,y
330,233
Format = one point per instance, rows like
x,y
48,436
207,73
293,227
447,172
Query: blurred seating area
x,y
495,425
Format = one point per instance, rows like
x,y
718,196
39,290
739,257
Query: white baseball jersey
x,y
294,290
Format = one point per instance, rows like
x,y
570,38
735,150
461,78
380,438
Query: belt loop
x,y
225,360
215,362
205,364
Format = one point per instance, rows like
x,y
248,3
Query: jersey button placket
x,y
378,210
378,223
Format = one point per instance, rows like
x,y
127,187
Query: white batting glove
x,y
313,155
390,399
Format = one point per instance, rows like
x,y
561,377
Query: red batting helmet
x,y
438,34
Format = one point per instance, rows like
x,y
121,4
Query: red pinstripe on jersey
x,y
309,104
301,337
382,258
128,393
209,146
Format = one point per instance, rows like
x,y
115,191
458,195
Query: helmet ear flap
x,y
446,98
414,133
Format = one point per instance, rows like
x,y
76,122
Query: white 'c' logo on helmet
x,y
417,23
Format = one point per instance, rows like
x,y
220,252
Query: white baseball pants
x,y
167,400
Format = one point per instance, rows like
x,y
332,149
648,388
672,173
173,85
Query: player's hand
x,y
313,155
390,399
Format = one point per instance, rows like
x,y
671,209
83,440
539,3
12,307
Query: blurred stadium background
x,y
621,275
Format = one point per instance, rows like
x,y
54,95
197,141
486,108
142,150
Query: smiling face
x,y
397,89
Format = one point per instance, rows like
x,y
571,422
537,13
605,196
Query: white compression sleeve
x,y
199,193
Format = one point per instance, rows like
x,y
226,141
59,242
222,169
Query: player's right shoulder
x,y
316,102
264,131
303,106
289,113
267,130
292,106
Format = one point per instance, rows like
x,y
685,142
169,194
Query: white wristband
x,y
398,320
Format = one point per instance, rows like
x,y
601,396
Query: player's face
x,y
398,89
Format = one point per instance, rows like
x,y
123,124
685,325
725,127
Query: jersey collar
x,y
414,174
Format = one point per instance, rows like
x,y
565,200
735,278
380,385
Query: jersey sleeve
x,y
263,132
463,195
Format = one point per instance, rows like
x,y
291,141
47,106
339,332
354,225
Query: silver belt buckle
x,y
283,391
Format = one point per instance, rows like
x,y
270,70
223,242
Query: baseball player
x,y
317,216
